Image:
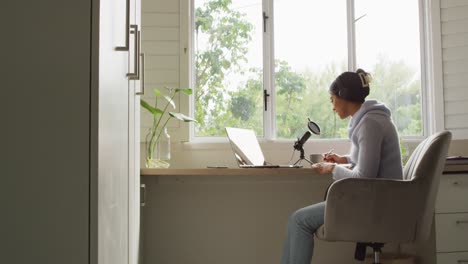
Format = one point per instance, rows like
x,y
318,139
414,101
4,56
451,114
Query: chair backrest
x,y
424,169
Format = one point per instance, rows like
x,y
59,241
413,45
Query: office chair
x,y
372,211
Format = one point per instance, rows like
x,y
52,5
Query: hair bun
x,y
365,77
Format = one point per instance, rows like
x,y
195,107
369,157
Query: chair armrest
x,y
370,210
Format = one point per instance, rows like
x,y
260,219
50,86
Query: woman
x,y
375,153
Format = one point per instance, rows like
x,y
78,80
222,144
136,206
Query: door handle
x,y
142,69
135,75
142,194
127,29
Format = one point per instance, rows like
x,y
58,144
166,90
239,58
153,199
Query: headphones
x,y
352,94
342,91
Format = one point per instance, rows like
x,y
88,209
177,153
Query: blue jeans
x,y
299,244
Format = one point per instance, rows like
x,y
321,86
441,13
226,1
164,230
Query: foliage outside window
x,y
311,49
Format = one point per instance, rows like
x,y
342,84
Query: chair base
x,y
360,252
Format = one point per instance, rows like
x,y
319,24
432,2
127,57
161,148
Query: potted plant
x,y
160,120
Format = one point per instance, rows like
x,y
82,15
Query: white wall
x,y
160,43
454,31
163,42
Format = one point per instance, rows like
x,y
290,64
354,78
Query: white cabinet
x,y
451,219
117,132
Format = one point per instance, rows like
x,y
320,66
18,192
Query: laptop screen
x,y
245,145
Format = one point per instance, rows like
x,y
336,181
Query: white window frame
x,y
269,120
431,69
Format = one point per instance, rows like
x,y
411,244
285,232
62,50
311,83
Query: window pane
x,y
388,46
310,51
228,66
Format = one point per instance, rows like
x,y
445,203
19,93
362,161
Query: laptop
x,y
247,150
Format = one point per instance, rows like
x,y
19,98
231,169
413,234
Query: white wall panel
x,y
455,107
162,62
160,33
160,76
456,93
151,85
455,53
160,19
161,45
454,13
449,41
454,27
456,121
454,80
159,6
456,66
167,47
452,3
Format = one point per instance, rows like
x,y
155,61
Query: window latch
x,y
265,17
265,98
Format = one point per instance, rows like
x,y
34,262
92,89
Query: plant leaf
x,y
169,100
153,110
157,92
184,90
182,117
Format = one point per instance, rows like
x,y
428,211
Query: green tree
x,y
290,92
317,101
399,87
246,103
302,95
227,34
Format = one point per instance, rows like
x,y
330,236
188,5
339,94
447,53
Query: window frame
x,y
431,74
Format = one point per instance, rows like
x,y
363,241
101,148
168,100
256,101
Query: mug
x,y
315,158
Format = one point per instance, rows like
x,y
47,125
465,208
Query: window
x,y
228,66
268,65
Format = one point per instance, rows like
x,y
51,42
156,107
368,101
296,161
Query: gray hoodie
x,y
375,148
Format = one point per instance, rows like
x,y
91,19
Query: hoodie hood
x,y
368,107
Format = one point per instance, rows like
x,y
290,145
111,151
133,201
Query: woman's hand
x,y
324,167
334,158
